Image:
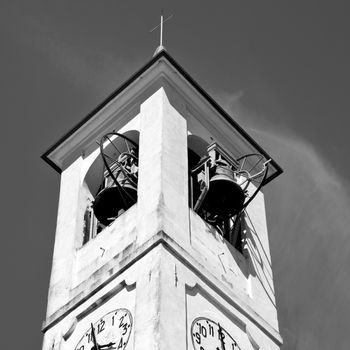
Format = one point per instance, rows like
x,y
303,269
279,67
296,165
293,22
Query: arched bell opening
x,y
111,181
222,186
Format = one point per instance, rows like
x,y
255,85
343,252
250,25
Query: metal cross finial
x,y
162,21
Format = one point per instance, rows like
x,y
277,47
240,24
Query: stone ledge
x,y
181,254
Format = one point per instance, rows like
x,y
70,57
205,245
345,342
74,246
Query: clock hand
x,y
107,345
96,346
221,338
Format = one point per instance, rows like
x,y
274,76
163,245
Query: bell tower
x,y
161,238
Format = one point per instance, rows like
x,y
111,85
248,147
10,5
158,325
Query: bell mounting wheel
x,y
119,156
118,190
251,174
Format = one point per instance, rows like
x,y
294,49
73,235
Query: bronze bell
x,y
225,197
112,201
119,195
118,191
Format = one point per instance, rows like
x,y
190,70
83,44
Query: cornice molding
x,y
118,107
161,238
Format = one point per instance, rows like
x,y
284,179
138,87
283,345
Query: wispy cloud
x,y
308,214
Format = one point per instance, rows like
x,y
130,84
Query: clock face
x,y
112,331
209,335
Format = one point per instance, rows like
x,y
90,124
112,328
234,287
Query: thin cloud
x,y
308,215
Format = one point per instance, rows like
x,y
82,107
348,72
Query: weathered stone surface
x,y
159,259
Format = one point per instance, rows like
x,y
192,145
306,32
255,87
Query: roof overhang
x,y
122,101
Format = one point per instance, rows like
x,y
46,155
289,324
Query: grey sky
x,y
281,68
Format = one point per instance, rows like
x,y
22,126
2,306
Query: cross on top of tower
x,y
160,25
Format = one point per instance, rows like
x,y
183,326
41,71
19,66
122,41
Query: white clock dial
x,y
112,331
209,335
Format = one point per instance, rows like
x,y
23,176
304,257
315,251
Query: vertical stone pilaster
x,y
66,229
173,311
147,303
163,180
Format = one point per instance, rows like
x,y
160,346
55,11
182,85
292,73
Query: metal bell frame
x,y
118,164
248,169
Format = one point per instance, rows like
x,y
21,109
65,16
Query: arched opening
x,y
111,182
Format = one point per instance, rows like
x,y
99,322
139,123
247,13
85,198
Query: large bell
x,y
112,201
225,197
